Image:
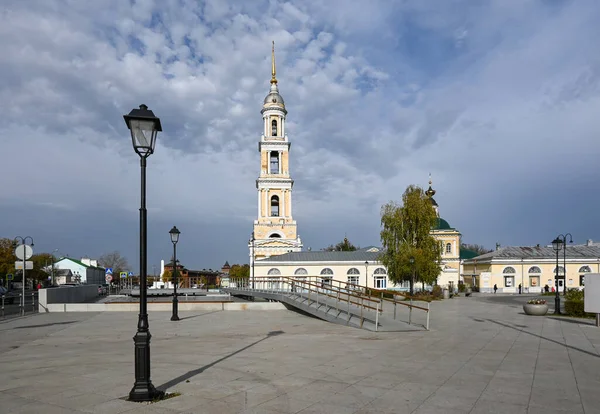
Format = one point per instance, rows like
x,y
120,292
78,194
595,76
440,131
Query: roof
x,y
80,263
441,224
467,253
537,252
361,255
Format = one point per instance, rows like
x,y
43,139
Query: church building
x,y
275,248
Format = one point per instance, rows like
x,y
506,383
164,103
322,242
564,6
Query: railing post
x,y
410,312
427,326
377,316
362,303
348,307
394,307
3,306
22,303
33,301
382,301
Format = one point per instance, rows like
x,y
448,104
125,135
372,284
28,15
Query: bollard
x,y
3,306
22,304
377,316
382,301
597,319
410,313
33,301
394,307
427,326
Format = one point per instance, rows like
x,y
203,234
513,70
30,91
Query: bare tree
x,y
114,260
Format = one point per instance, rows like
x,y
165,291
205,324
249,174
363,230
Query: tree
x,y
406,234
343,246
42,267
7,256
478,248
239,270
115,261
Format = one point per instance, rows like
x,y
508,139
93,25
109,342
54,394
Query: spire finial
x,y
273,72
430,191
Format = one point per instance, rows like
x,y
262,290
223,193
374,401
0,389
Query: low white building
x,y
85,271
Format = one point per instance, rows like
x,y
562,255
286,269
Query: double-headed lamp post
x,y
174,239
144,128
23,240
557,245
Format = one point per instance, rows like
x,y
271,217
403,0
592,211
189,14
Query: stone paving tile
x,y
493,407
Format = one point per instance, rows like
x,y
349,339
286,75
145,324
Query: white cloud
x,y
378,96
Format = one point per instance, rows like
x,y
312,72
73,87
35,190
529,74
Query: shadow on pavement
x,y
576,321
544,338
44,325
197,371
195,316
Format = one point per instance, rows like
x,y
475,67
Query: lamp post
x,y
411,260
144,128
174,239
557,246
23,241
366,273
564,241
252,258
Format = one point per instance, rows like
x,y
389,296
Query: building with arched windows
x,y
532,267
275,249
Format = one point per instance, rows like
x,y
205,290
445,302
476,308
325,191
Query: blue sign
x,y
123,275
9,276
109,270
130,274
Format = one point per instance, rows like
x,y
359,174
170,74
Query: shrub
x,y
574,303
436,292
462,287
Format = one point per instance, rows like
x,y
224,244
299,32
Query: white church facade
x,y
275,248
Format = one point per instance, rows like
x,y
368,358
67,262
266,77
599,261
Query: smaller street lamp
x,y
366,273
411,260
557,245
174,239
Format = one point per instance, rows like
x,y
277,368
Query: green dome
x,y
441,224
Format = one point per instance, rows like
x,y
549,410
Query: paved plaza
x,y
481,356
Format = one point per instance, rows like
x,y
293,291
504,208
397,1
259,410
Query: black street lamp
x,y
564,240
174,239
144,128
411,260
557,245
252,259
366,273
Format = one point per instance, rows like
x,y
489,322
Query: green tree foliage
x,y
239,270
343,246
7,257
476,248
406,234
42,267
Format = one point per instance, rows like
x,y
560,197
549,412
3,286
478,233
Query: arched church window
x,y
274,127
274,272
380,271
275,206
274,162
301,271
509,269
535,269
327,271
448,248
353,271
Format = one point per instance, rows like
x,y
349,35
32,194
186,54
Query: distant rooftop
x,y
369,253
585,251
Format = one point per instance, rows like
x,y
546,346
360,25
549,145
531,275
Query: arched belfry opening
x,y
274,128
275,206
274,161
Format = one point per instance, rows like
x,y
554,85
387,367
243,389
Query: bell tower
x,y
275,230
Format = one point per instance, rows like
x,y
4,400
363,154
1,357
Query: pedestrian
x,y
519,288
39,286
495,288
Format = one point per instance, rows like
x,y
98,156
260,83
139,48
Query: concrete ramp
x,y
335,305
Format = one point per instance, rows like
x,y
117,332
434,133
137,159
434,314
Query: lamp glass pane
x,y
142,133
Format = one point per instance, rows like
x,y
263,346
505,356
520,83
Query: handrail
x,y
304,284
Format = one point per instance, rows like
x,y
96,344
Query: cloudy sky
x,y
499,100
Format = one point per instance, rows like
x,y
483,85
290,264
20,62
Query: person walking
x,y
495,288
519,288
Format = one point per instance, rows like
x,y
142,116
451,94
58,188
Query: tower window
x,y
274,127
448,248
275,206
274,162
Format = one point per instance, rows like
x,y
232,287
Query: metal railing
x,y
22,306
349,293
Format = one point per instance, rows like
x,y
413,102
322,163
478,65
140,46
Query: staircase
x,y
345,305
